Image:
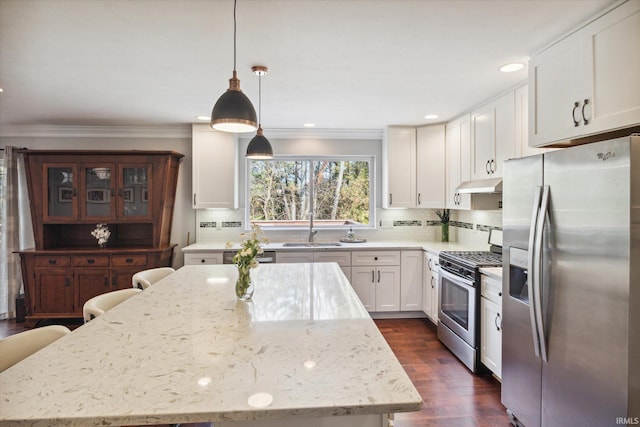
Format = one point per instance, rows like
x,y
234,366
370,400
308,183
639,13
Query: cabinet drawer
x,y
128,260
341,257
375,258
91,261
491,289
53,261
202,259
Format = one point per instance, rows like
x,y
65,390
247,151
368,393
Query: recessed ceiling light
x,y
203,118
431,116
309,125
510,68
1,90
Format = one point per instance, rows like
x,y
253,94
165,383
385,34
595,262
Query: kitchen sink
x,y
310,244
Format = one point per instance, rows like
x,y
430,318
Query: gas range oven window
x,y
455,302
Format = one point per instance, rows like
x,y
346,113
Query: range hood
x,y
492,185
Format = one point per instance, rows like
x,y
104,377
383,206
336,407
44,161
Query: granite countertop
x,y
434,247
185,350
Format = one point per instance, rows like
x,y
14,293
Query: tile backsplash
x,y
421,225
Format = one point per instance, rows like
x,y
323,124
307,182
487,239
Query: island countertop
x,y
185,350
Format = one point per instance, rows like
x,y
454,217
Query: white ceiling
x,y
342,64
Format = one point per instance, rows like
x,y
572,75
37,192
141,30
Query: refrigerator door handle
x,y
531,271
537,285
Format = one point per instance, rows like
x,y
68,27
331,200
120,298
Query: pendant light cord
x,y
259,100
234,34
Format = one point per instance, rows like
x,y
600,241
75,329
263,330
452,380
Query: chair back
x,y
102,303
16,347
145,278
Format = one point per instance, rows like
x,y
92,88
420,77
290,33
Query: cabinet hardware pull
x,y
492,166
495,321
486,168
499,294
432,280
194,198
430,265
91,261
52,261
573,114
106,281
378,276
373,276
129,260
390,199
419,198
202,260
584,119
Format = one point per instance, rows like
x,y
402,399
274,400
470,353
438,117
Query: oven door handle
x,y
452,277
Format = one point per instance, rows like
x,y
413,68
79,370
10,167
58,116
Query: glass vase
x,y
244,286
445,232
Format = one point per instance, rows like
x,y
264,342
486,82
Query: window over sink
x,y
287,192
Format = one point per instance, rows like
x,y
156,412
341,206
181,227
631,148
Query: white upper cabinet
x,y
457,151
430,167
214,179
400,172
587,83
493,137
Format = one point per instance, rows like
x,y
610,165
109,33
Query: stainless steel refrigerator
x,y
571,288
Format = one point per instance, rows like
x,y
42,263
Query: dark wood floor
x,y
453,397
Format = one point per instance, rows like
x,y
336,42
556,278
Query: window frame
x,y
314,158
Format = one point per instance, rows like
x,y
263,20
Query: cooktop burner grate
x,y
475,258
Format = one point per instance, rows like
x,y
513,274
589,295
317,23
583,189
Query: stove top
x,y
474,258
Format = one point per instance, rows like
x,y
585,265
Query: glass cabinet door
x,y
134,191
61,202
98,202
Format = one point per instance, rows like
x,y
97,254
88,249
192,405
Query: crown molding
x,y
313,133
164,131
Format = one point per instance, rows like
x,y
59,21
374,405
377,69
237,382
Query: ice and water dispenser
x,y
518,275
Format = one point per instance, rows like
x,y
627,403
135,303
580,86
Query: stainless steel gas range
x,y
459,305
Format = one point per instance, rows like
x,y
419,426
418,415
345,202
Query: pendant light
x,y
259,147
233,111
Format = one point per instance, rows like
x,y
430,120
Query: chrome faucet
x,y
312,232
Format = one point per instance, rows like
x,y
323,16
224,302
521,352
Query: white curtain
x,y
10,275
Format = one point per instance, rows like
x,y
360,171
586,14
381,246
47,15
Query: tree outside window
x,y
284,192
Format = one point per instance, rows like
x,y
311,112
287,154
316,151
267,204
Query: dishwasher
x,y
267,257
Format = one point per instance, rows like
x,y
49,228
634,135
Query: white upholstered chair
x,y
16,347
102,303
145,278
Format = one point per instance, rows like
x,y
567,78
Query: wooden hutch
x,y
70,192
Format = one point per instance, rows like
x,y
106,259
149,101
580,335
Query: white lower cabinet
x,y
294,257
411,280
203,258
343,259
430,286
375,276
491,324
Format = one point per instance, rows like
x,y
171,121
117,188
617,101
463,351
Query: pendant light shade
x,y
259,147
233,112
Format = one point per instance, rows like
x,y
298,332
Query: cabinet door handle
x,y
487,167
91,261
576,123
203,261
495,321
432,280
378,276
129,260
419,198
373,276
52,261
430,265
194,198
492,166
390,199
584,118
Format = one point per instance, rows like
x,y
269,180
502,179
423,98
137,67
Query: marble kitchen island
x,y
304,352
